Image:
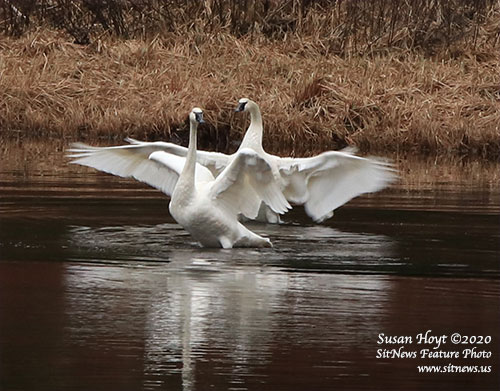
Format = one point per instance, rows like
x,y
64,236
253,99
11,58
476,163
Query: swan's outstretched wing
x,y
176,163
246,182
129,161
326,181
214,161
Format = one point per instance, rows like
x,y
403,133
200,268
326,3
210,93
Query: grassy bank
x,y
314,95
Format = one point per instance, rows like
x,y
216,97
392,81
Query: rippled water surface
x,y
101,290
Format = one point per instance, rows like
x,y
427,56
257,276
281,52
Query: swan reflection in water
x,y
222,312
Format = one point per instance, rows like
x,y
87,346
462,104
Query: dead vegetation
x,y
424,80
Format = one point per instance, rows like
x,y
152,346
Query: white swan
x,y
205,206
321,183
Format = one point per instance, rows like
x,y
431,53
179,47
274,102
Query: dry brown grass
x,y
339,27
396,100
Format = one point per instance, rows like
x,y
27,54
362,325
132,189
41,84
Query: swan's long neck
x,y
188,172
253,136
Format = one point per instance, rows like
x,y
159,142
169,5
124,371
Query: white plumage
x,y
207,207
321,183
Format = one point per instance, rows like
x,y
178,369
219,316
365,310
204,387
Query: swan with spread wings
x,y
206,206
321,183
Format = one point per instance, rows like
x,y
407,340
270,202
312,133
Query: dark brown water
x,y
101,290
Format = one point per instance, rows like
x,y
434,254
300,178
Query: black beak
x,y
199,118
241,107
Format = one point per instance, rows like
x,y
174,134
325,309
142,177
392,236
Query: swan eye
x,y
241,106
199,118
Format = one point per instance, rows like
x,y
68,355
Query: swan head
x,y
196,116
242,105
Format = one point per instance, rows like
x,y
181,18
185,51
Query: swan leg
x,y
272,217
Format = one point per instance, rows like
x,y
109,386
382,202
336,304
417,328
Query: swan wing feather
x,y
126,161
326,181
214,161
176,163
247,181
